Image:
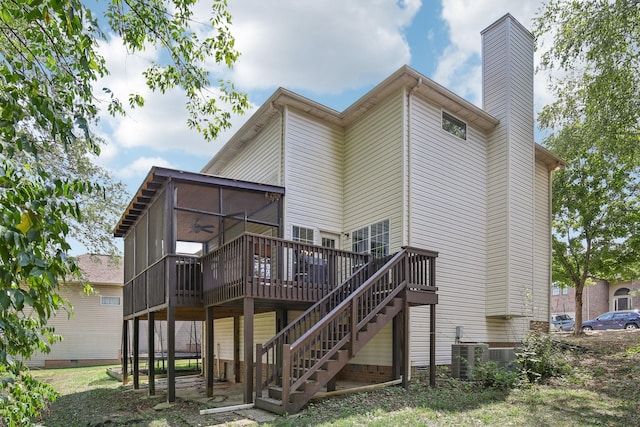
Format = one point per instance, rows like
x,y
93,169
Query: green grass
x,y
602,391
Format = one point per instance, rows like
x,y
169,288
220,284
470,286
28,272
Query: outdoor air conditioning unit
x,y
464,357
503,357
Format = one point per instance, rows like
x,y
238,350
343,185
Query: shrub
x,y
539,358
492,375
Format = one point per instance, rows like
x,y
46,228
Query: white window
x,y
454,126
328,243
302,235
373,239
109,300
565,291
360,241
555,290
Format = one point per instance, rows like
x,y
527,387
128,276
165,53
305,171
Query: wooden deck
x,y
265,268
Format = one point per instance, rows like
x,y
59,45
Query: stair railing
x,y
269,354
340,327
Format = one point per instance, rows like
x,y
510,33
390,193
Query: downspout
x,y
281,169
549,223
408,153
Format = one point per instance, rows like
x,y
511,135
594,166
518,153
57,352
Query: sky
x,y
331,51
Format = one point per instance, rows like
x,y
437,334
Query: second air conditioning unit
x,y
464,357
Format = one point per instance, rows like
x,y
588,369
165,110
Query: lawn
x,y
603,390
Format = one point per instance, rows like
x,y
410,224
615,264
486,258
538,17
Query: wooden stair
x,y
329,368
310,351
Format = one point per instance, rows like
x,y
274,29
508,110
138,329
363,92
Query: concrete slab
x,y
257,415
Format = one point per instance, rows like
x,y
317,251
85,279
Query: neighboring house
x,y
91,335
598,298
281,213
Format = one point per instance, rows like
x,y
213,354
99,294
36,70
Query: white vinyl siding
x,y
223,338
93,332
508,84
264,328
447,205
542,245
373,184
373,189
313,171
259,158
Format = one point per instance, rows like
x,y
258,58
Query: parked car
x,y
562,323
623,319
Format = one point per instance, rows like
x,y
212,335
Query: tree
x,y
99,210
594,125
49,59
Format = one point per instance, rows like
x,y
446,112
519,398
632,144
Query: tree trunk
x,y
578,316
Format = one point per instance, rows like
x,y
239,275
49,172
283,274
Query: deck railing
x,y
265,267
252,265
178,277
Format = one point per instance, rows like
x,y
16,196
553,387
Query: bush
x,y
539,358
492,375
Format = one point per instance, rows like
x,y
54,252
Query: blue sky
x,y
332,51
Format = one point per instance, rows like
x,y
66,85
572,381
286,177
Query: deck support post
x,y
151,353
136,353
396,364
208,372
125,351
236,349
406,359
171,354
248,349
432,345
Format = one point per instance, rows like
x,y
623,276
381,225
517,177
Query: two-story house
x,y
317,232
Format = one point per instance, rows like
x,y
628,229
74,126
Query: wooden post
x,y
208,372
406,359
151,353
136,353
236,349
286,370
432,345
396,363
171,354
248,349
432,326
125,351
259,370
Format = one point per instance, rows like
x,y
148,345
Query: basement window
x,y
454,126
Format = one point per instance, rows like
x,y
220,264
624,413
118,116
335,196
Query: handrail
x,y
302,323
347,301
312,350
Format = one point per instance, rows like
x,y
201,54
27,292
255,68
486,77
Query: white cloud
x,y
325,47
161,125
141,166
465,19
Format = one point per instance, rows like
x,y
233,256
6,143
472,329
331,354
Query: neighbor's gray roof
x,y
101,269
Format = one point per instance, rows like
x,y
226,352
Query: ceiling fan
x,y
196,227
